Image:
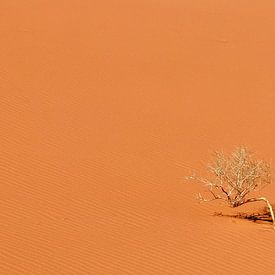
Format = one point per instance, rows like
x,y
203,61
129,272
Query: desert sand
x,y
105,107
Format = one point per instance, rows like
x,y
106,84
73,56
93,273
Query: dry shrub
x,y
233,178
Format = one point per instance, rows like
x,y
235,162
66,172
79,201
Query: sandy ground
x,y
105,107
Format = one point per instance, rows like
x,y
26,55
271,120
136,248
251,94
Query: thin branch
x,y
268,205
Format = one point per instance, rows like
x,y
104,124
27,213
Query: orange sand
x,y
105,107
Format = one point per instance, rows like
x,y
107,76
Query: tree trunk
x,y
268,204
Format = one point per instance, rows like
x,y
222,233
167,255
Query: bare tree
x,y
234,177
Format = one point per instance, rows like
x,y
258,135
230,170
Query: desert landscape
x,y
106,107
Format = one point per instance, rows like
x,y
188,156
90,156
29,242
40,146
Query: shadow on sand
x,y
262,216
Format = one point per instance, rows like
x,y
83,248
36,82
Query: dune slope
x,y
105,107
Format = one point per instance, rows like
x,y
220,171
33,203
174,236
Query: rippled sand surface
x,y
105,107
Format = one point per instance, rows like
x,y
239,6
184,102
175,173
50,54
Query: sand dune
x,y
105,107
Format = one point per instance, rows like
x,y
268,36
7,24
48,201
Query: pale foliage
x,y
233,178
